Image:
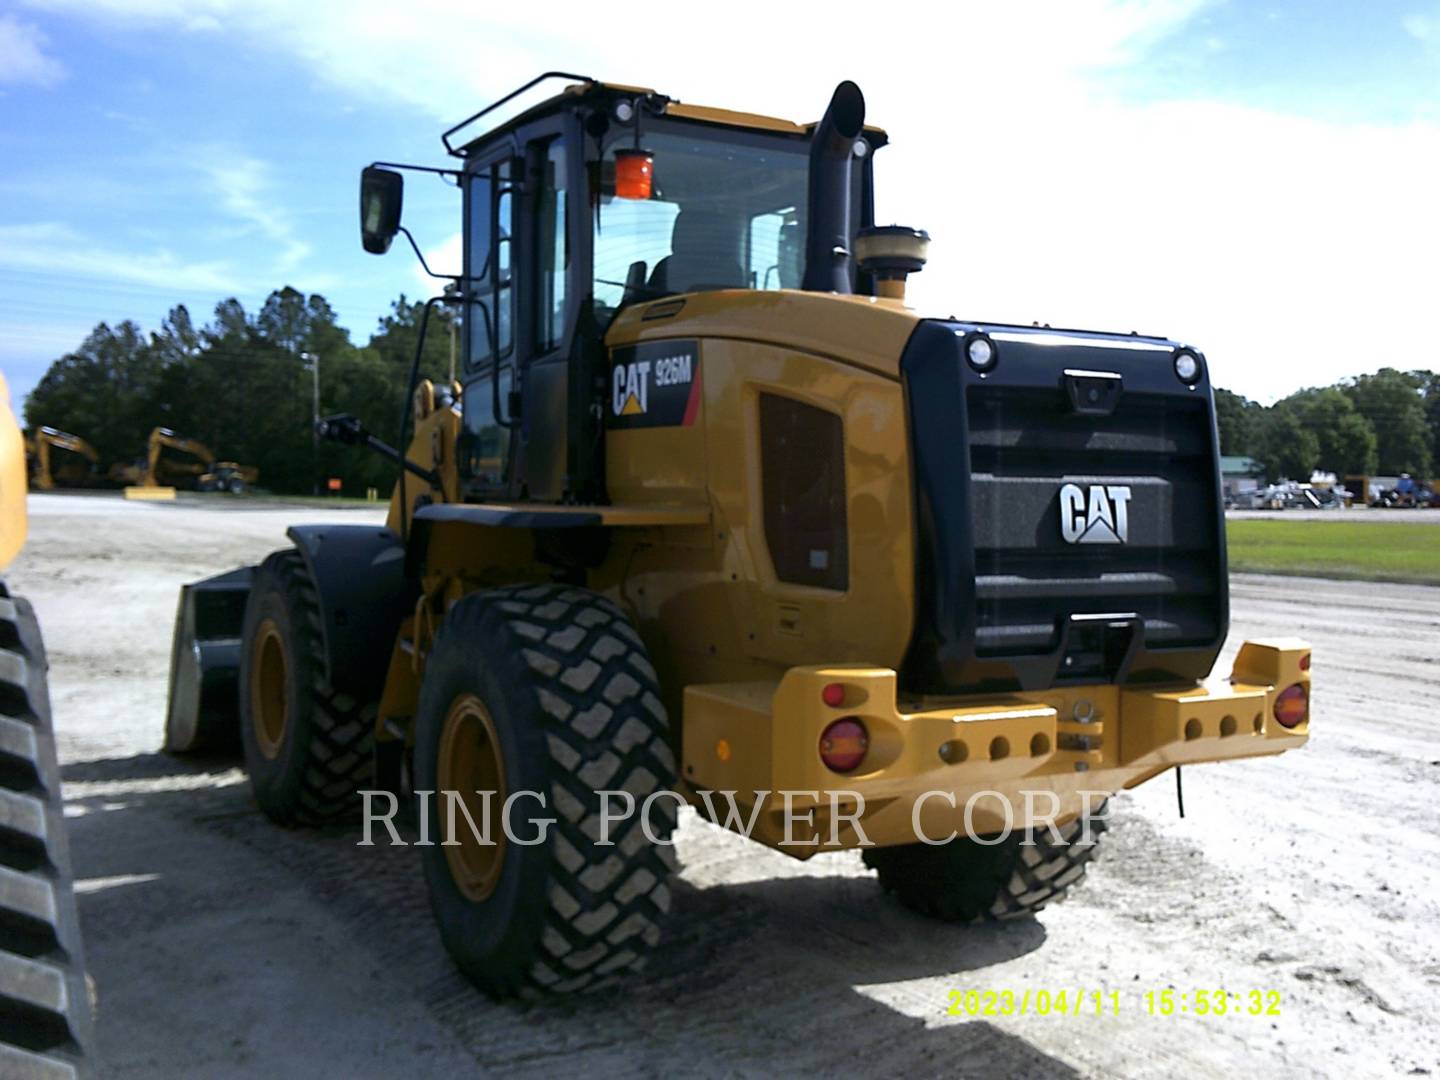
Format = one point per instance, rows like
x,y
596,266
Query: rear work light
x,y
843,745
1292,706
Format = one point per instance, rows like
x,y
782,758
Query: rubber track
x,y
45,1021
949,882
340,759
598,697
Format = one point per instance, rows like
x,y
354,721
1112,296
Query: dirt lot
x,y
223,946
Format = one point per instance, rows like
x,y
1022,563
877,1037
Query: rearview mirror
x,y
381,194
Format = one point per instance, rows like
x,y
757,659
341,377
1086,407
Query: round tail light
x,y
1292,705
843,745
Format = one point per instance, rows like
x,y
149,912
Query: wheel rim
x,y
471,762
270,701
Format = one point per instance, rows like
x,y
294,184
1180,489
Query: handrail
x,y
445,138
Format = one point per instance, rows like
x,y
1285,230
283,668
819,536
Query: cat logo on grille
x,y
1099,514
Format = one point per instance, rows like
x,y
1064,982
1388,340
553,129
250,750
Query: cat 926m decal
x,y
654,384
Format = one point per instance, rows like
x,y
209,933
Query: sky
x,y
1256,179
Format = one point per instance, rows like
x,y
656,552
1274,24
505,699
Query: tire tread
x,y
45,1009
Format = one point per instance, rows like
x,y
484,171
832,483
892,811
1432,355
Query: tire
x,y
308,750
573,708
45,1019
964,881
236,487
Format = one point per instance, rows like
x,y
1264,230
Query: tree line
x,y
242,386
1386,423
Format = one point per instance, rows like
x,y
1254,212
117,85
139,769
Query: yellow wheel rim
x,y
472,766
269,697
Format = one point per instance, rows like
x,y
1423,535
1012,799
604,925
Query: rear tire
x,y
308,750
553,683
45,1021
964,881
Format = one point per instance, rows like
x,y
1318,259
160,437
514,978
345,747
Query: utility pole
x,y
314,362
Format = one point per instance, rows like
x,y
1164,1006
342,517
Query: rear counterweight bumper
x,y
983,763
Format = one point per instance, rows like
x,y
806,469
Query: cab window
x,y
552,248
723,213
488,264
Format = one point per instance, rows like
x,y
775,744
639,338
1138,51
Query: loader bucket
x,y
203,712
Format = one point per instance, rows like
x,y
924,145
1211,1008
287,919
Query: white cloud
x,y
1292,250
444,258
22,55
242,182
54,248
1425,28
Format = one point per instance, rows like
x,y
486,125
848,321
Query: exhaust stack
x,y
828,228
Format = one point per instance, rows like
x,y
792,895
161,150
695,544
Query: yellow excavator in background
x,y
202,473
76,466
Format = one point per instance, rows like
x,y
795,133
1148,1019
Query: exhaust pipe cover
x,y
828,262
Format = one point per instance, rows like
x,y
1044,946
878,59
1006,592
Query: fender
x,y
364,595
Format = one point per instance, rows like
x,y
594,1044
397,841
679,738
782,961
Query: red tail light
x,y
843,745
1292,706
833,695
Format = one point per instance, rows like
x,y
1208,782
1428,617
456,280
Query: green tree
x,y
394,340
1346,438
1287,447
1238,419
1430,388
1391,400
102,391
242,386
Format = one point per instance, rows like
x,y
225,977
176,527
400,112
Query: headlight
x,y
1187,366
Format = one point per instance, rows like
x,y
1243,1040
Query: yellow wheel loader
x,y
716,518
59,459
45,1018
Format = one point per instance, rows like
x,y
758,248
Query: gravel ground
x,y
223,946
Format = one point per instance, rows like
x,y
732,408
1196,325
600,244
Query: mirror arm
x,y
347,430
421,256
455,173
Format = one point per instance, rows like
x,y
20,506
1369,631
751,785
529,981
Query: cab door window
x,y
552,249
490,254
484,447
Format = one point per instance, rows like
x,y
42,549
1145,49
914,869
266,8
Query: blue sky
x,y
1259,179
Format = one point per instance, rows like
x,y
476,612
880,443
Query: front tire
x,y
308,750
545,689
965,881
45,1002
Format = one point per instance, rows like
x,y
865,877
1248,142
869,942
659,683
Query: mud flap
x,y
203,711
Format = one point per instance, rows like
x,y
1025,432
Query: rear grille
x,y
1025,444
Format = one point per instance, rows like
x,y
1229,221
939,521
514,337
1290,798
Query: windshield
x,y
724,213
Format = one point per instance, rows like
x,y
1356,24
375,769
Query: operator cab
x,y
597,198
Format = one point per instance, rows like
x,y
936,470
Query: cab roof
x,y
582,88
